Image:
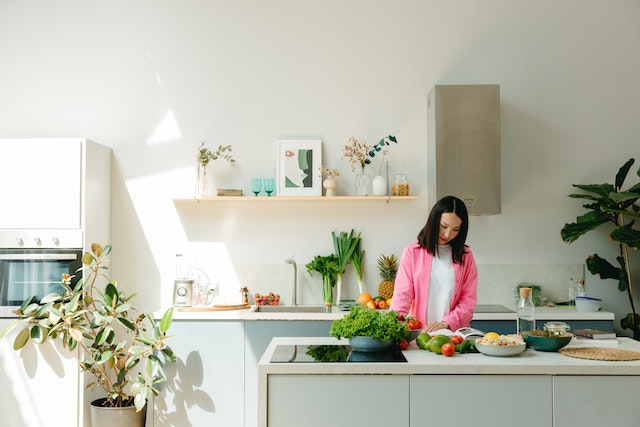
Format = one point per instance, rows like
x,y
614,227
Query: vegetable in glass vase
x,y
328,268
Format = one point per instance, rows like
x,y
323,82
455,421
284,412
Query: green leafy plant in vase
x,y
328,267
204,157
610,204
117,347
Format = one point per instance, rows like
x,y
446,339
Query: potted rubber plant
x,y
111,342
611,205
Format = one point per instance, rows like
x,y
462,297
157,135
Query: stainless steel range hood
x,y
464,145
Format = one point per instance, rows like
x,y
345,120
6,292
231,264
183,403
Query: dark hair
x,y
428,236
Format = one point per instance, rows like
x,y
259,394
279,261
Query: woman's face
x,y
449,227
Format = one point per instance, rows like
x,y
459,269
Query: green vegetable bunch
x,y
361,321
328,267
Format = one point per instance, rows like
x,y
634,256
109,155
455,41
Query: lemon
x,y
491,336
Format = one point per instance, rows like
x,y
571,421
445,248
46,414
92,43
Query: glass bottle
x,y
582,292
572,292
526,312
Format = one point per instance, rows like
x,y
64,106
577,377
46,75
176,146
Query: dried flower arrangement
x,y
360,154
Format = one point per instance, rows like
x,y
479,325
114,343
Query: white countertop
x,y
542,313
422,362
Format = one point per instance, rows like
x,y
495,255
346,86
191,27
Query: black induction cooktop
x,y
492,308
330,353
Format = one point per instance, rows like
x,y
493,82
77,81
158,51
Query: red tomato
x,y
448,349
415,324
456,339
400,317
404,344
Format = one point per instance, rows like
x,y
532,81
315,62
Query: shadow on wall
x,y
183,384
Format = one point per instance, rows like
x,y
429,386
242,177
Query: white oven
x,y
32,263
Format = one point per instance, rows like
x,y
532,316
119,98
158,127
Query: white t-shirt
x,y
441,285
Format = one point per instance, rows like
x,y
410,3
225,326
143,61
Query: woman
x,y
437,277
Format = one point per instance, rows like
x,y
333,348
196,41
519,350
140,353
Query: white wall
x,y
152,78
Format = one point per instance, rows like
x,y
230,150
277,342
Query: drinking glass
x,y
269,185
256,185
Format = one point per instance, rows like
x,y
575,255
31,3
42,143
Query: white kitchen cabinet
x,y
595,401
481,400
338,400
38,176
205,386
53,183
258,337
39,384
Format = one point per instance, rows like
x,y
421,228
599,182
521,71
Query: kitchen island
x,y
534,388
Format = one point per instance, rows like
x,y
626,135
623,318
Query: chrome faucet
x,y
294,291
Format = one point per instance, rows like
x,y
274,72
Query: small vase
x,y
330,184
202,181
363,183
379,186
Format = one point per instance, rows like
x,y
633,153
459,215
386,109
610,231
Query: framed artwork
x,y
299,164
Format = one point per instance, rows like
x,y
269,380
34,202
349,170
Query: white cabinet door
x,y
259,335
481,400
39,385
205,386
338,400
595,401
40,183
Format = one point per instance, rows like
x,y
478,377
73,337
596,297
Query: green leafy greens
x,y
361,321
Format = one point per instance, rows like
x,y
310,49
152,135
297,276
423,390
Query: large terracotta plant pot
x,y
104,416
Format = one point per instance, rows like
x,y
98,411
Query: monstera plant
x,y
612,205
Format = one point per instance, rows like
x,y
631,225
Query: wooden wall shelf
x,y
297,198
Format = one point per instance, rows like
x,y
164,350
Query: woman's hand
x,y
434,326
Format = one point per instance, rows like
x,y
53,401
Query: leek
x,y
356,260
343,245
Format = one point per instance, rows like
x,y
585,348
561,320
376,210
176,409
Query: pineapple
x,y
388,267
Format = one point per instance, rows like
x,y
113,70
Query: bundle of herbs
x,y
328,267
363,322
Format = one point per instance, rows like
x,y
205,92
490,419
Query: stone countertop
x,y
542,313
422,362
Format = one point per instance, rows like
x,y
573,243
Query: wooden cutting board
x,y
216,307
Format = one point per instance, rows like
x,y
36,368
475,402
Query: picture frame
x,y
299,164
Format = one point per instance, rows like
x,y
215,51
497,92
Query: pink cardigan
x,y
411,291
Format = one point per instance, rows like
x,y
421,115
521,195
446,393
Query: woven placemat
x,y
600,353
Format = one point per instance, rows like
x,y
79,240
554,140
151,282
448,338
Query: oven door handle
x,y
38,257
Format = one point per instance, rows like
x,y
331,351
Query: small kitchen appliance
x,y
183,292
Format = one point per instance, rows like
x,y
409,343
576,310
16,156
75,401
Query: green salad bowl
x,y
553,343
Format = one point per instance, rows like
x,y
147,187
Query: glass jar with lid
x,y
558,328
400,185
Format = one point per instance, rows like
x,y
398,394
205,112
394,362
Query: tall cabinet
x,y
62,185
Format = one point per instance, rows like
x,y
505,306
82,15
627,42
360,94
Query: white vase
x,y
330,184
379,186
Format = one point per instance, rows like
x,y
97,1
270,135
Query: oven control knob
x,y
37,241
20,241
56,241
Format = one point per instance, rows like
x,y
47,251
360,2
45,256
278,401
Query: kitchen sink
x,y
292,309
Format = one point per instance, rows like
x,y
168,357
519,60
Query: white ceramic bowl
x,y
501,350
588,303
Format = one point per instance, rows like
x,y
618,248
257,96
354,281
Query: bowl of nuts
x,y
501,346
